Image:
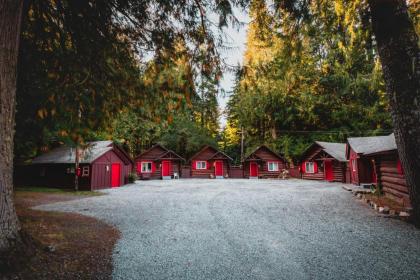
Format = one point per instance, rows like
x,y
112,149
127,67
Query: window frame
x,y
201,164
85,171
273,164
146,163
310,164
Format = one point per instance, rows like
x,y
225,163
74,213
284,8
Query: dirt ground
x,y
65,245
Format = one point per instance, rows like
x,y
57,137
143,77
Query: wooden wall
x,y
157,174
48,175
101,175
263,172
317,175
266,156
207,173
364,169
236,172
339,170
392,180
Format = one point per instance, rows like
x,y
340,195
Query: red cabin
x,y
263,163
324,161
102,165
209,162
389,171
158,163
361,163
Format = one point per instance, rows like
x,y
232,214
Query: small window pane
x,y
273,166
85,171
309,166
201,165
146,167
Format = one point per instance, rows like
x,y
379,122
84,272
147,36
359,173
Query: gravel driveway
x,y
250,229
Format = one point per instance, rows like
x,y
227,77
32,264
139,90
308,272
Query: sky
x,y
234,56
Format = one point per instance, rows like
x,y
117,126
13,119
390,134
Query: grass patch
x,y
57,191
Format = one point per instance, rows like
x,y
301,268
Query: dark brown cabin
x,y
324,161
263,163
361,163
158,163
209,162
102,165
389,172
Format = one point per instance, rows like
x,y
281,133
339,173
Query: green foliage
x,y
132,177
186,137
85,66
311,77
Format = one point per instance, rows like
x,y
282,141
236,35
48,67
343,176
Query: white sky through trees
x,y
233,56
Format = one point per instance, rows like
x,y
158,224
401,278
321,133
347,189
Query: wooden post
x,y
76,166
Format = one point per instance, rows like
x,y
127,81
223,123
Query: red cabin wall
x,y
363,171
209,172
236,172
339,168
151,156
157,174
101,171
265,156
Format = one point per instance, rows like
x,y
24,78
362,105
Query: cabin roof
x,y
217,151
336,150
372,145
66,154
161,155
263,147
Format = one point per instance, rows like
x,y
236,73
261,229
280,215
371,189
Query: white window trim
x,y
144,170
309,167
201,164
275,166
353,165
85,171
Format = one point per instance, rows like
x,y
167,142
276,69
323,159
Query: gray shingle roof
x,y
67,154
372,145
336,150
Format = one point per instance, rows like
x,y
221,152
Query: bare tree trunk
x,y
399,53
10,20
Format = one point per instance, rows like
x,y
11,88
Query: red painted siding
x,y
101,171
204,155
266,156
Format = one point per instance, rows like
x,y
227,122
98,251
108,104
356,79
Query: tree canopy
x,y
315,77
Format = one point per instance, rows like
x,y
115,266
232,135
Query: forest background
x,y
301,80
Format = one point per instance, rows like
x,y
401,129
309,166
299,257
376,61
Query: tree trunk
x,y
10,20
399,54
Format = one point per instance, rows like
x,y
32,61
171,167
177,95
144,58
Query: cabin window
x,y
85,171
353,165
273,166
146,167
310,167
201,165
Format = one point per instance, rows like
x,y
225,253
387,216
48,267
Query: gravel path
x,y
250,229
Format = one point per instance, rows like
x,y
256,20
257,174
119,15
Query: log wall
x,y
392,181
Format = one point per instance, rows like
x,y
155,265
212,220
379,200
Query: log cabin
x,y
102,165
389,172
210,162
324,161
158,163
361,163
263,163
